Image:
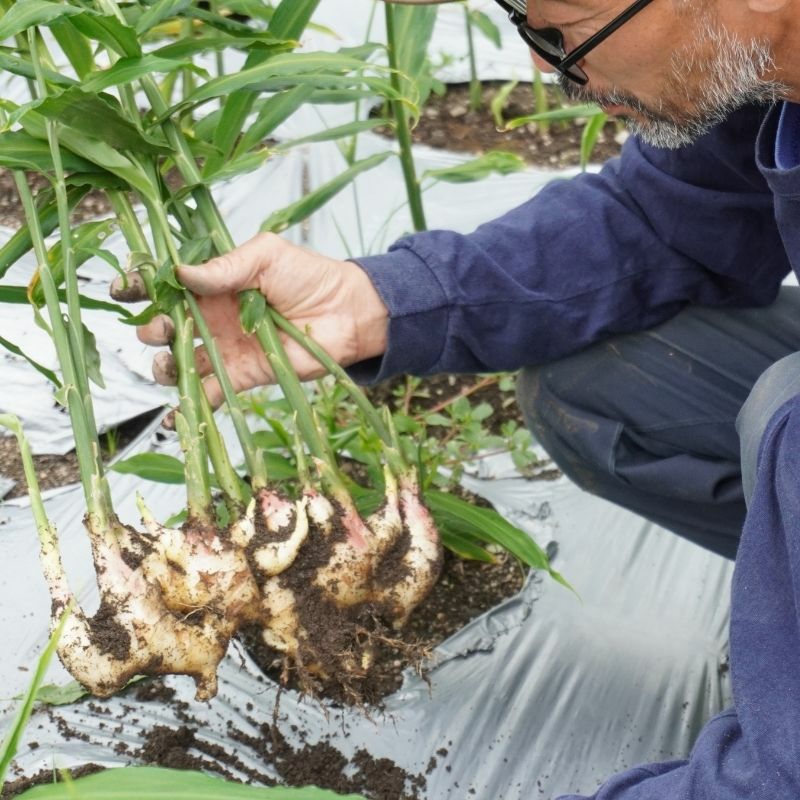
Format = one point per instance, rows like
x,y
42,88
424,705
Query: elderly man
x,y
659,353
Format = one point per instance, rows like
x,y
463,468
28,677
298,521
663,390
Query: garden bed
x,y
448,123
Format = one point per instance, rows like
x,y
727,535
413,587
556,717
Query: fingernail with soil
x,y
129,288
165,370
168,423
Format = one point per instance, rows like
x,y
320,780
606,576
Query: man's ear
x,y
766,6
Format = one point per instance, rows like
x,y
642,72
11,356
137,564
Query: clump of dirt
x,y
17,787
298,763
465,590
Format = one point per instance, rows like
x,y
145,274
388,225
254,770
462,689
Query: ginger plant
x,y
321,582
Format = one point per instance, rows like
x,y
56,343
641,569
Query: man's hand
x,y
334,301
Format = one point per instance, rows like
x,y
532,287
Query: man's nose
x,y
541,64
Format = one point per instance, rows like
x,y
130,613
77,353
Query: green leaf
x,y
132,68
591,133
195,251
109,31
186,48
85,154
92,355
214,170
20,243
279,467
158,12
557,115
21,150
268,440
220,22
486,525
75,47
98,116
414,26
496,161
337,132
143,317
134,783
331,70
32,13
52,695
463,546
11,62
500,100
157,467
17,351
302,209
291,18
483,23
19,295
252,310
9,747
271,114
85,237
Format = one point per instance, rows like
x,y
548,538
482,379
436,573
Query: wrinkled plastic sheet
x,y
548,693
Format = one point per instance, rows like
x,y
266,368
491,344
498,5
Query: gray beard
x,y
732,78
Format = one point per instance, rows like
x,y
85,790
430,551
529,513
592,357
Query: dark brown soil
x,y
16,787
448,123
437,392
56,470
465,590
298,763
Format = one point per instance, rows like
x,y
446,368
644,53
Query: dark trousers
x,y
649,420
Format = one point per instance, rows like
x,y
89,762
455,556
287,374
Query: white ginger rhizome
x,y
318,582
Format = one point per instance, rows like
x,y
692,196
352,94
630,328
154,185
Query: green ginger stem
x,y
403,131
68,337
95,487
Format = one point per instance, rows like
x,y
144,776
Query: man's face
x,y
672,71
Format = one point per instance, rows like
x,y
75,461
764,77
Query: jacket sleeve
x,y
613,252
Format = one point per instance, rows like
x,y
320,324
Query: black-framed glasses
x,y
548,43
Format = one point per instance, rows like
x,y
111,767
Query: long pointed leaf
x,y
19,296
265,76
11,62
20,243
291,18
304,208
274,111
338,132
488,526
40,368
9,747
100,117
109,31
127,70
91,153
134,783
32,13
158,12
75,47
21,150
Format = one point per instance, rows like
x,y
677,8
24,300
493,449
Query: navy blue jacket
x,y
608,253
621,251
